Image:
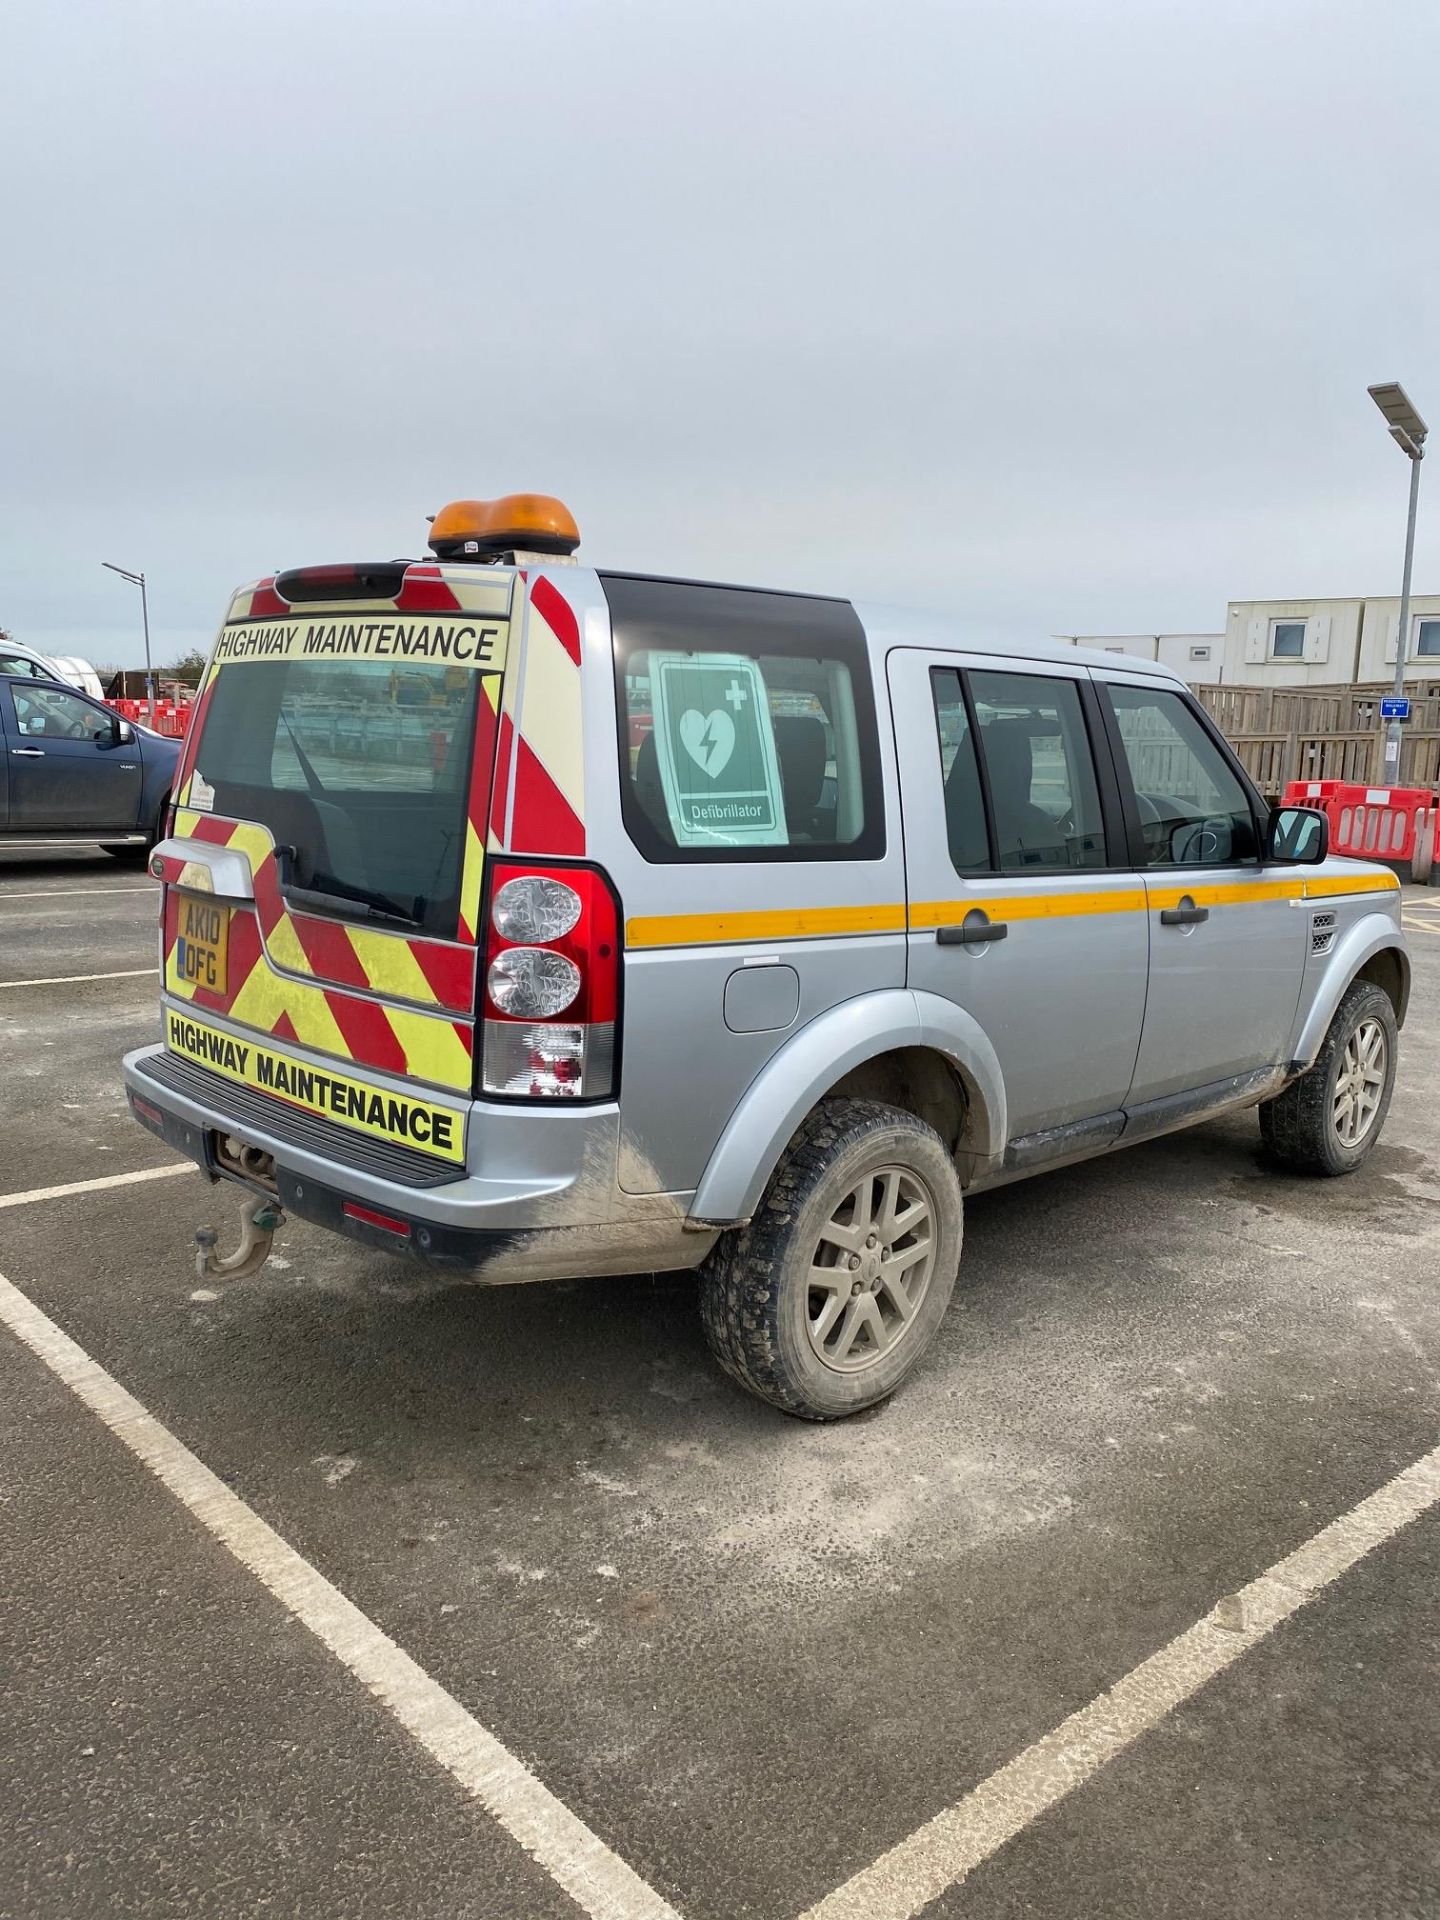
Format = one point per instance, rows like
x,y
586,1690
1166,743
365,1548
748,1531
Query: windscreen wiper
x,y
312,779
363,904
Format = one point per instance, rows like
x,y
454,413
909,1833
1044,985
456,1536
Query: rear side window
x,y
747,724
960,774
1040,771
1020,743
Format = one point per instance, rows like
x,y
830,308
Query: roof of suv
x,y
891,626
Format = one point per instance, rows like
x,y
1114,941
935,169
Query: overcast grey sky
x,y
1061,314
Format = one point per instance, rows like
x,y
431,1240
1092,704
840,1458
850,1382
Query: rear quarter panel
x,y
689,927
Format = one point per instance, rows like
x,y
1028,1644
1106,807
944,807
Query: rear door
x,y
1022,907
67,770
344,745
1228,938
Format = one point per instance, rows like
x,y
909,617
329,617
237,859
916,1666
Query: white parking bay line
x,y
68,893
97,1185
940,1854
76,979
597,1880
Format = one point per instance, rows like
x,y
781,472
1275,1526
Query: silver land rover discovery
x,y
546,922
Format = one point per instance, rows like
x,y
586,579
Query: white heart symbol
x,y
708,738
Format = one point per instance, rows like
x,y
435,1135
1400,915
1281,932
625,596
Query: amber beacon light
x,y
483,529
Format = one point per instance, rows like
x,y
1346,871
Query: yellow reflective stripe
x,y
282,945
390,966
795,923
473,873
1030,906
1351,883
266,995
433,1049
799,923
1226,893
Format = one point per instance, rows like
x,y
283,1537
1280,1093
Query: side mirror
x,y
119,733
1298,834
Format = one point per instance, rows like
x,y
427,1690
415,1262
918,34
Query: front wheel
x,y
1327,1121
829,1297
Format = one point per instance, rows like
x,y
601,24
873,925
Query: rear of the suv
x,y
391,971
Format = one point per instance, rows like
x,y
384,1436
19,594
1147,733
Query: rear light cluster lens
x,y
532,983
536,908
552,984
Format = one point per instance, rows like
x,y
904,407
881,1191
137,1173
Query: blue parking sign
x,y
1395,708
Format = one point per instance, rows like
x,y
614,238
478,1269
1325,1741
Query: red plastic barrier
x,y
1369,823
170,717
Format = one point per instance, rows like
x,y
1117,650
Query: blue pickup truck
x,y
72,770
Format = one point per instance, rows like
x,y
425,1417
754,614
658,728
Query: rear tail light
x,y
551,984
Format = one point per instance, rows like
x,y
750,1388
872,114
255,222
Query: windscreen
x,y
359,768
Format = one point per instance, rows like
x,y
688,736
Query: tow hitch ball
x,y
260,1220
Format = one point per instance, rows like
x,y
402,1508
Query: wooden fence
x,y
1325,733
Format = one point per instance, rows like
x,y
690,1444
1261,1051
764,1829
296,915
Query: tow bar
x,y
260,1220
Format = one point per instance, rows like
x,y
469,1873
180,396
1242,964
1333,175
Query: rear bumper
x,y
536,1200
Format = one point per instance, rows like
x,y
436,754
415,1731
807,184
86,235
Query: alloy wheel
x,y
872,1268
1360,1083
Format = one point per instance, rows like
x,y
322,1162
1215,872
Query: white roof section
x,y
887,626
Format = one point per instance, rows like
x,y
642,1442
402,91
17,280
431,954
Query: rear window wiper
x,y
362,903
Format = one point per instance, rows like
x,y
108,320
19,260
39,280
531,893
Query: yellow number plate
x,y
202,944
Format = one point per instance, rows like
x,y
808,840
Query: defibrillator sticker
x,y
400,1118
716,750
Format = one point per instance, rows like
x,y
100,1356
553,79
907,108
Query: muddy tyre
x,y
1328,1120
828,1298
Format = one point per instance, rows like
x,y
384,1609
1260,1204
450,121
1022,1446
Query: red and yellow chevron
x,y
381,999
300,977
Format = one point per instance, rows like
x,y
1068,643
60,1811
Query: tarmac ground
x,y
746,1655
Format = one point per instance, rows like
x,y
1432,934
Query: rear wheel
x,y
829,1297
138,851
1328,1121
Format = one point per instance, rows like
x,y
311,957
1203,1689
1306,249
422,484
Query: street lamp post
x,y
1408,431
138,580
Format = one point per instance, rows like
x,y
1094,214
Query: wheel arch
x,y
1370,950
912,1050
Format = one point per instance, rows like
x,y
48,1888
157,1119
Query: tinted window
x,y
18,664
747,724
1039,771
960,775
1194,812
44,711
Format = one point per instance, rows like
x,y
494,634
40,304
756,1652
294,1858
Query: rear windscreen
x,y
361,767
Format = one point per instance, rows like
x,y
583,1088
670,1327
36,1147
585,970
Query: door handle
x,y
971,936
28,753
1183,916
